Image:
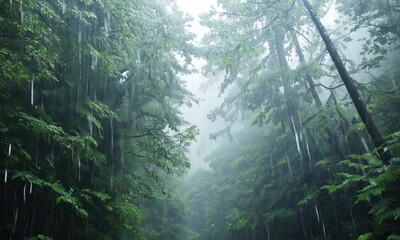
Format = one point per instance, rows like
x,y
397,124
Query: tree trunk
x,y
284,66
307,76
373,131
332,135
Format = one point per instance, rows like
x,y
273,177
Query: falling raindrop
x,y
352,217
364,142
112,135
122,150
316,211
301,133
301,136
21,10
308,153
30,187
5,175
79,169
63,6
32,93
269,238
138,57
24,192
79,42
107,23
94,61
323,227
296,135
16,217
290,168
9,149
112,180
90,127
394,85
106,30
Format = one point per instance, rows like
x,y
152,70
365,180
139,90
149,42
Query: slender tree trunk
x,y
278,46
307,76
332,135
284,65
292,106
373,131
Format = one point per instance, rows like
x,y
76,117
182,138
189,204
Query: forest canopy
x,y
95,144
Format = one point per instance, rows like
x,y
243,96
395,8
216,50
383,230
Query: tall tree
x,y
279,175
89,117
373,131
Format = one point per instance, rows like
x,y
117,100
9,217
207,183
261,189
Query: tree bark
x,y
307,76
373,131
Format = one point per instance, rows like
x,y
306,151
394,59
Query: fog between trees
x,y
276,120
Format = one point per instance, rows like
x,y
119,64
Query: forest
x,y
303,144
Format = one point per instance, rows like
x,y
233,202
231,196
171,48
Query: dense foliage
x,y
93,141
91,135
300,163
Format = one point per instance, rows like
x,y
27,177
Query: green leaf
x,y
307,199
280,213
366,236
40,237
332,188
388,214
349,163
368,192
394,237
347,39
100,195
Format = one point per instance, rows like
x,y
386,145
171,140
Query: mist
x,y
199,120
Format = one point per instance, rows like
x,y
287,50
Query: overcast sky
x,y
198,113
195,7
